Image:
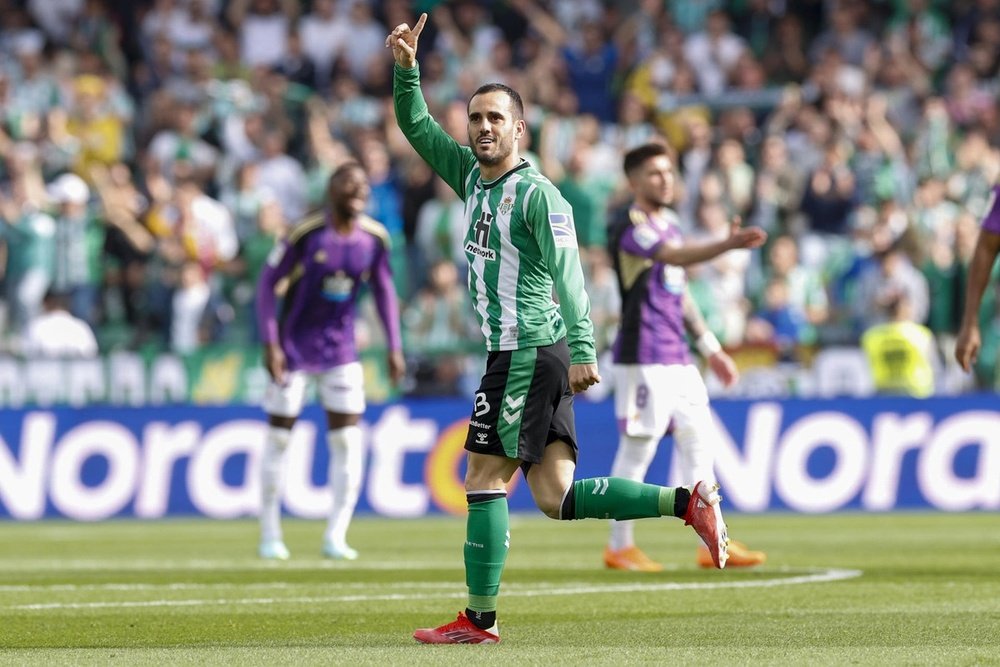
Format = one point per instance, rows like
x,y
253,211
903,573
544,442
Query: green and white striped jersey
x,y
520,240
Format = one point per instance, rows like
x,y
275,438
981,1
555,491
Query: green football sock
x,y
621,499
487,538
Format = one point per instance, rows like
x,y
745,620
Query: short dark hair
x,y
344,168
515,97
636,157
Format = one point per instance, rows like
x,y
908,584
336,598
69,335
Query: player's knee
x,y
550,502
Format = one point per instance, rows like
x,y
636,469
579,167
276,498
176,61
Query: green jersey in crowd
x,y
520,239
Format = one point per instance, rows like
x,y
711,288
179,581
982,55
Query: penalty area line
x,y
816,577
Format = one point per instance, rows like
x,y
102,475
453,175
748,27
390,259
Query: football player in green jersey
x,y
521,245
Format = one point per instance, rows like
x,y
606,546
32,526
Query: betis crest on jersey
x,y
506,206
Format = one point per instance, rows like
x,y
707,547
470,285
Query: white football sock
x,y
631,462
272,482
346,470
694,450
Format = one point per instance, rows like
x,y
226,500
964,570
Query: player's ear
x,y
520,127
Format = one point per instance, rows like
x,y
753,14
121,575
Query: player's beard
x,y
504,146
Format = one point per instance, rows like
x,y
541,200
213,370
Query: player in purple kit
x,y
987,248
656,383
320,267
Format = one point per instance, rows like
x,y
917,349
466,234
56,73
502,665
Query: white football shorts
x,y
341,389
648,397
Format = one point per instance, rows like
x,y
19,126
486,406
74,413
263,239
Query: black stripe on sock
x,y
484,496
567,512
681,499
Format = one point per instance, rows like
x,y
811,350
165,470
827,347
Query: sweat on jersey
x,y
520,239
325,270
652,323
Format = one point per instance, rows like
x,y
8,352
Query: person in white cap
x,y
79,240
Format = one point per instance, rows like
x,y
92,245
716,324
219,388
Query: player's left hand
x,y
397,366
582,376
724,368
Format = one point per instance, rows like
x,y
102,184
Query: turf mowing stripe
x,y
822,576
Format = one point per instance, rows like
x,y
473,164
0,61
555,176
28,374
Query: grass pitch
x,y
837,589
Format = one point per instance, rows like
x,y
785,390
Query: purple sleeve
x,y
386,302
991,222
640,240
278,265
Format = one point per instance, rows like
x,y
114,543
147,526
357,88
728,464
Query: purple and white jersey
x,y
991,222
325,270
652,323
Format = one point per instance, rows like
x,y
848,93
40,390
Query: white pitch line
x,y
822,576
141,565
256,564
272,585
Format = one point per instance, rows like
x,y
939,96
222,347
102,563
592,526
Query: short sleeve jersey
x,y
325,271
652,322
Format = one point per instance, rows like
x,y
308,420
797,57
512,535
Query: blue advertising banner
x,y
791,455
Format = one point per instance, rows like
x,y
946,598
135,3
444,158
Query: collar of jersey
x,y
487,186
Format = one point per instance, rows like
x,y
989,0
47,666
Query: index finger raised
x,y
417,29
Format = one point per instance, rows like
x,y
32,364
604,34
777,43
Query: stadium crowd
x,y
152,151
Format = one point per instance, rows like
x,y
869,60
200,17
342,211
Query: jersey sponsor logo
x,y
563,232
320,257
645,237
674,279
277,253
338,287
479,246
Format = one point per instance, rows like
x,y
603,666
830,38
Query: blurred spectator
x,y
844,35
324,37
29,235
78,244
778,189
367,39
180,153
282,176
437,324
802,290
725,276
56,17
605,296
263,26
98,133
778,322
195,314
891,277
440,233
245,199
714,52
57,334
591,60
900,351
